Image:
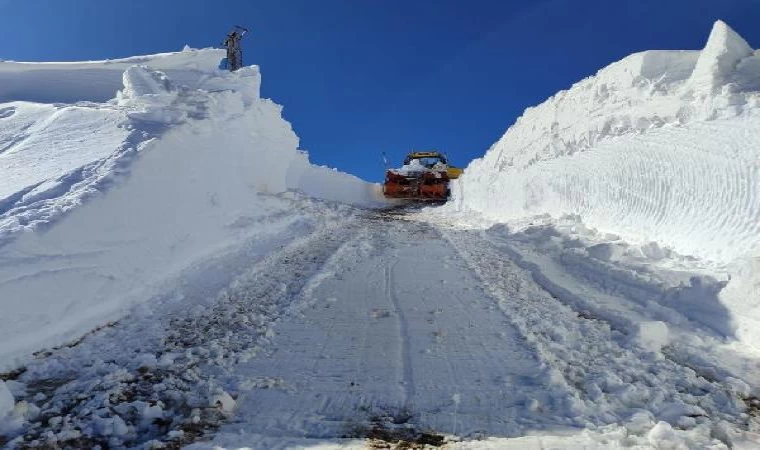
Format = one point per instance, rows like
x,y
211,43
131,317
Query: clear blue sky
x,y
359,77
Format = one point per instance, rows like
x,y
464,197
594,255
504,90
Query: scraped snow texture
x,y
175,166
661,147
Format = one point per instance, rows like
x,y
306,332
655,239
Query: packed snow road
x,y
399,332
376,325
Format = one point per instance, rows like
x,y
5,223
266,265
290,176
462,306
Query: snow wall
x,y
102,201
661,146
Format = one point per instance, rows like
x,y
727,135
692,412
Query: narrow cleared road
x,y
413,330
400,331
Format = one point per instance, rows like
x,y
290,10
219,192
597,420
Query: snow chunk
x,y
149,413
140,80
147,361
699,300
653,335
742,297
720,57
415,167
663,436
640,422
111,426
6,400
120,428
222,400
652,250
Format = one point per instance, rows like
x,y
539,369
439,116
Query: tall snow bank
x,y
661,146
177,168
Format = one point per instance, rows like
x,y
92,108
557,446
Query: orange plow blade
x,y
421,186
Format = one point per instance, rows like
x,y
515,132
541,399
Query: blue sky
x,y
361,77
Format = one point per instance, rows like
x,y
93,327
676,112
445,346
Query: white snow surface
x,y
661,149
115,176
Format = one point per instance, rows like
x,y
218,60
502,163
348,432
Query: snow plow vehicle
x,y
424,176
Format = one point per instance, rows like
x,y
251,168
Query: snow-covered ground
x,y
174,271
385,326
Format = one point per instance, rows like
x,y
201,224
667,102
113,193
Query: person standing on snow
x,y
234,52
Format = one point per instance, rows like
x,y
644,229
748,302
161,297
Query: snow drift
x,y
662,146
104,200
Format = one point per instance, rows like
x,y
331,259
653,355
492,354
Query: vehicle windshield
x,y
428,162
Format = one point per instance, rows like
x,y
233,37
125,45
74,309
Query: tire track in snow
x,y
7,112
406,356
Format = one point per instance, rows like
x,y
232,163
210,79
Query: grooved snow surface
x,y
694,187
